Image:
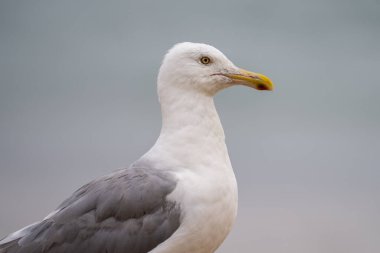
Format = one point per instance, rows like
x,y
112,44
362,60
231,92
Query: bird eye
x,y
205,60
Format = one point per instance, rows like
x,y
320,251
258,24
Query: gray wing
x,y
125,212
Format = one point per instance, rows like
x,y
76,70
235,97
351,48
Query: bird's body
x,y
181,196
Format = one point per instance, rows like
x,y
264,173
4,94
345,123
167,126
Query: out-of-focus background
x,y
78,100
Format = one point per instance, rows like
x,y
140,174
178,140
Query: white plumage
x,y
192,142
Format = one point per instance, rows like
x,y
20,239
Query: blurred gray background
x,y
78,100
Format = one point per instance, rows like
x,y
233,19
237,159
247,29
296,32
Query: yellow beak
x,y
251,79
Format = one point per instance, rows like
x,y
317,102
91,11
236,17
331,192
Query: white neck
x,y
191,111
191,133
192,146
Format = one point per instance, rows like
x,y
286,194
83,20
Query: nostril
x,y
255,77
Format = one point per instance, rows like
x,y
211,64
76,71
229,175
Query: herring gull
x,y
179,197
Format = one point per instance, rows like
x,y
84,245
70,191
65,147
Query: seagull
x,y
180,196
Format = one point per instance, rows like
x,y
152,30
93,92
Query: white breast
x,y
209,206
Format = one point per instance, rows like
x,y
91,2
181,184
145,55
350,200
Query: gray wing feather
x,y
125,212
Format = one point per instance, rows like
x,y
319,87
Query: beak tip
x,y
265,87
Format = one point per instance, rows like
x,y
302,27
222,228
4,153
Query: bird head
x,y
201,68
